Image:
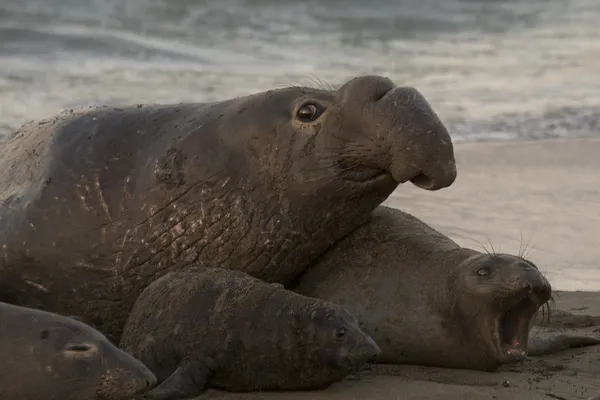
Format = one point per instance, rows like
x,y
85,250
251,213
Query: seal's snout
x,y
532,283
443,177
421,147
149,379
368,88
538,287
373,350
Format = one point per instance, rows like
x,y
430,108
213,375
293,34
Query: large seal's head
x,y
497,297
70,360
367,135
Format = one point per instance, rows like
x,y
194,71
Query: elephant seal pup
x,y
225,329
96,205
426,300
49,356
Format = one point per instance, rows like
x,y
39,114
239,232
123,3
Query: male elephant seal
x,y
96,205
424,299
228,330
49,356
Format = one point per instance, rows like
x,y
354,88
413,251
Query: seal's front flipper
x,y
553,343
188,380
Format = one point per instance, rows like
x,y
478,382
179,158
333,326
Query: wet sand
x,y
548,191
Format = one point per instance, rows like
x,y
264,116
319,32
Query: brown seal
x,y
426,300
225,329
96,205
49,356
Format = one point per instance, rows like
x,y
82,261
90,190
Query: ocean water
x,y
492,69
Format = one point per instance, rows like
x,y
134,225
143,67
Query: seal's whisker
x,y
529,250
524,251
321,84
479,243
519,254
307,82
491,245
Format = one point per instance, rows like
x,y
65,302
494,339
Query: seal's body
x,y
96,205
49,356
426,300
225,329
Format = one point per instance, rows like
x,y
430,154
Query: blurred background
x,y
492,69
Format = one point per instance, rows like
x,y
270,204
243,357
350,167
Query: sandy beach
x,y
544,190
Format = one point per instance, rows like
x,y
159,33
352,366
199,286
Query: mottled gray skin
x,y
426,300
224,329
52,357
96,205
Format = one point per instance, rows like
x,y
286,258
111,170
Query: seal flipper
x,y
549,344
188,380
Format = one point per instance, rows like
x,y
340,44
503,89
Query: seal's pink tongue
x,y
513,349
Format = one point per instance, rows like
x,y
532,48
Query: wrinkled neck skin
x,y
395,274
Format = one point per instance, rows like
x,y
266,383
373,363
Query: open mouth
x,y
513,328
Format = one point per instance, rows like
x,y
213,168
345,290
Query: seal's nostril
x,y
422,181
529,288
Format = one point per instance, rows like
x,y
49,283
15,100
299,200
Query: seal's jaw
x,y
512,328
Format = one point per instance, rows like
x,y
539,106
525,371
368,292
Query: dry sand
x,y
546,189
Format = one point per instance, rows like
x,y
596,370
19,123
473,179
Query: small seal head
x,y
60,358
498,295
88,366
342,341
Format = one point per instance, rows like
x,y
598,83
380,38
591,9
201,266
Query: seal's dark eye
x,y
483,271
340,334
309,112
44,334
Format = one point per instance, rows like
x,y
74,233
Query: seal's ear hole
x,y
75,350
340,334
309,112
484,271
44,333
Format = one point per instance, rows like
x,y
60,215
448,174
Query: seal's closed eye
x,y
76,350
485,271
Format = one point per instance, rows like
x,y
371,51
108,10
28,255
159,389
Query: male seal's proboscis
x,y
426,300
198,328
49,356
96,205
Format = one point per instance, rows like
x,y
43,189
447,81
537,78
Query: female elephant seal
x,y
96,205
49,356
224,328
424,299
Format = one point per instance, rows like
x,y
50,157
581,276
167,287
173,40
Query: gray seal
x,y
426,300
95,205
224,329
49,356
